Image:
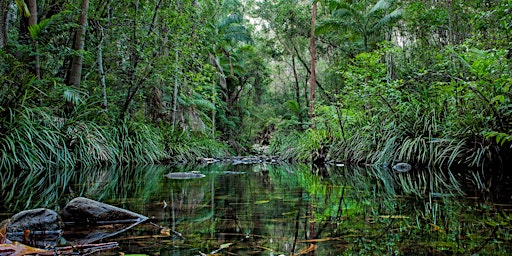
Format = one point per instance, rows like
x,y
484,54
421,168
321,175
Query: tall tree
x,y
75,71
4,9
312,49
28,20
137,80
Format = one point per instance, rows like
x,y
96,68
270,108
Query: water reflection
x,y
285,209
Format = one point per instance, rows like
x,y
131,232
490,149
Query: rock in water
x,y
184,175
40,227
40,219
84,210
402,167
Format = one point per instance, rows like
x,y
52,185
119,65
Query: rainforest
x,y
89,84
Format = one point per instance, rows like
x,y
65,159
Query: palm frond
x,y
388,19
35,30
332,25
73,95
380,5
231,19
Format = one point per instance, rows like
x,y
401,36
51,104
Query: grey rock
x,y
402,167
40,227
39,219
84,210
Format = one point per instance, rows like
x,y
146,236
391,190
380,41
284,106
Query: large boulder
x,y
84,210
40,219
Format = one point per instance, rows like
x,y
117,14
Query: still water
x,y
296,210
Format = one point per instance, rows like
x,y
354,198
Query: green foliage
x,y
363,22
412,81
186,147
36,30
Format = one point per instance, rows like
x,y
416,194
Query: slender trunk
x,y
340,122
4,10
136,85
297,87
312,80
390,65
305,65
102,73
32,21
295,76
215,61
29,19
213,112
175,95
75,72
306,98
32,8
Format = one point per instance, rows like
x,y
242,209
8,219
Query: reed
x,y
31,142
138,143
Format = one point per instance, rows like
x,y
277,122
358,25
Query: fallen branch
x,y
84,249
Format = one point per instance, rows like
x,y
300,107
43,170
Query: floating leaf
x,y
165,231
226,245
262,202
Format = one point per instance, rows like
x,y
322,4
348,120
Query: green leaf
x,y
23,8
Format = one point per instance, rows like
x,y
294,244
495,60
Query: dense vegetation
x,y
108,82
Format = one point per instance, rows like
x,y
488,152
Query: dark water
x,y
285,209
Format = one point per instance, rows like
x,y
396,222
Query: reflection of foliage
x,y
365,210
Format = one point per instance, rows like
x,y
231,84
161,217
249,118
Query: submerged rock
x,y
184,175
402,167
40,219
84,210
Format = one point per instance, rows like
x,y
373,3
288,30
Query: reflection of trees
x,y
347,211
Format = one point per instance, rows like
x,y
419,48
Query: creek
x,y
274,209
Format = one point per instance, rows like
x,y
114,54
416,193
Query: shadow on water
x,y
282,209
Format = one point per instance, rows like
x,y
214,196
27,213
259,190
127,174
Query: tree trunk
x,y
101,72
175,94
390,63
312,79
32,21
297,87
29,18
134,59
75,72
295,76
4,9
